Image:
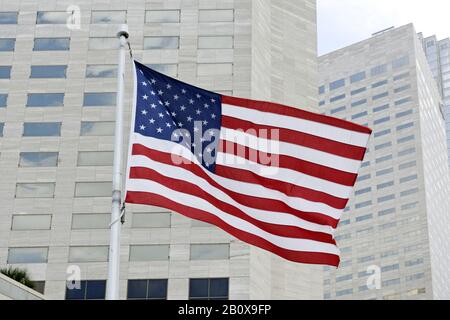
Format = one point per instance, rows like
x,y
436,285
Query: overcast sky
x,y
343,22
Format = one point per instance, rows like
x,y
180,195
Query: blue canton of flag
x,y
171,110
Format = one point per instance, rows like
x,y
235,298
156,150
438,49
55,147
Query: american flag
x,y
273,176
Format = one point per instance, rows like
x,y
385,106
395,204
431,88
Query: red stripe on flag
x,y
271,107
193,213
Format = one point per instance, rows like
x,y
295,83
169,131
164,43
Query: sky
x,y
344,22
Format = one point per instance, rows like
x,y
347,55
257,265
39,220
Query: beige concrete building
x,y
57,95
396,226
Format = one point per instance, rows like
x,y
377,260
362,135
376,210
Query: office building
x,y
396,226
58,66
438,56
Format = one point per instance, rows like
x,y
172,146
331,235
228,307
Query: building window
x,y
45,100
51,44
161,43
407,165
151,289
337,98
384,172
223,15
401,76
101,71
385,185
380,96
409,192
321,89
89,290
382,120
210,251
337,84
88,254
87,158
215,42
149,252
402,88
38,159
359,115
93,189
103,43
358,91
3,100
382,133
363,204
89,128
35,190
27,255
48,72
344,292
405,126
344,278
2,126
364,218
379,84
214,69
42,129
381,108
375,71
7,44
5,72
31,222
403,101
383,159
99,99
334,111
404,113
208,289
400,62
162,16
386,198
169,69
39,286
386,212
115,17
358,77
409,178
151,220
52,17
8,17
358,103
407,152
81,221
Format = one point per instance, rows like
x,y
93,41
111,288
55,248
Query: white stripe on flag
x,y
306,126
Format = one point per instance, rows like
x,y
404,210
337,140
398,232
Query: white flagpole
x,y
112,289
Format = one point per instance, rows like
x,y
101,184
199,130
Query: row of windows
x,y
104,43
110,71
152,289
119,16
360,76
50,159
89,221
144,289
365,101
138,253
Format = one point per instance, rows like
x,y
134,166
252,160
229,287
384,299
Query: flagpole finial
x,y
123,31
